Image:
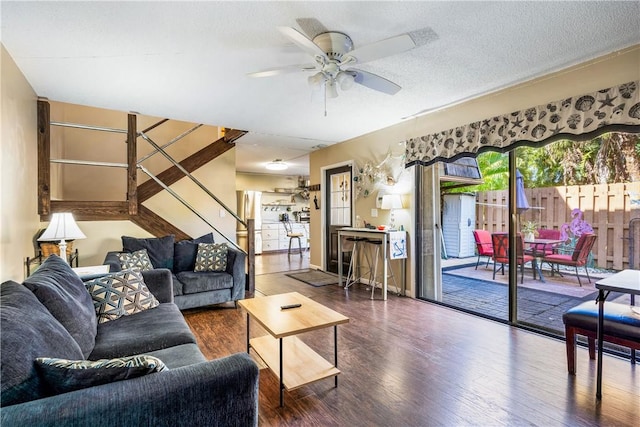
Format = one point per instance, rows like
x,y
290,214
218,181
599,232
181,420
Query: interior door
x,y
338,208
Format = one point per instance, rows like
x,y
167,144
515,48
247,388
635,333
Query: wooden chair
x,y
577,259
500,242
483,245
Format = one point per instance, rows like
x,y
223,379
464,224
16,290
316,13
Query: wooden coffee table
x,y
291,360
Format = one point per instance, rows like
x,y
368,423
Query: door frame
x,y
323,194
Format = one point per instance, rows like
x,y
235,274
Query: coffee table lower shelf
x,y
301,364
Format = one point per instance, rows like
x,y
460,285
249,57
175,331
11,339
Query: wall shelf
x,y
278,204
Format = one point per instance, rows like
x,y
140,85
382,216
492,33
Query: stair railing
x,y
187,205
190,176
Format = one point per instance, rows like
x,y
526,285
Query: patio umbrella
x,y
522,204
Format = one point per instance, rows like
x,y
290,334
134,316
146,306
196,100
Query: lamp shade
x,y
62,227
316,80
391,201
345,80
330,87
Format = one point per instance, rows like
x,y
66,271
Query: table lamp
x,y
62,227
391,202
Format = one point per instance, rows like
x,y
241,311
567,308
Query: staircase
x,y
132,208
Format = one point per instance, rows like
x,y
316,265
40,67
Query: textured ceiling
x,y
189,60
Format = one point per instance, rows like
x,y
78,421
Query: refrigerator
x,y
249,207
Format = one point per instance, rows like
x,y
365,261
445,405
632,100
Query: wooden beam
x,y
44,158
132,159
171,175
91,210
231,135
156,225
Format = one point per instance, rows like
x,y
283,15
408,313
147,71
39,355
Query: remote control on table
x,y
288,306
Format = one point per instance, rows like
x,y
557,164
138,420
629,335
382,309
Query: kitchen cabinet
x,y
274,236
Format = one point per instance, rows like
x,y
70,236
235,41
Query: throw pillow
x,y
138,259
120,294
60,289
184,253
62,375
160,249
211,257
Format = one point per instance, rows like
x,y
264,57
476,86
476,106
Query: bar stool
x,y
376,244
357,247
291,235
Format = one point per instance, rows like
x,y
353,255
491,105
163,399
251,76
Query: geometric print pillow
x,y
62,375
138,259
211,257
120,294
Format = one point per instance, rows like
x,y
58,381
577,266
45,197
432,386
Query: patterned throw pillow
x,y
138,259
211,257
120,294
62,375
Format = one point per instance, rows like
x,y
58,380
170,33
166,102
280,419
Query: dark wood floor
x,y
410,363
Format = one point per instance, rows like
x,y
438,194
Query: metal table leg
x,y
385,269
601,298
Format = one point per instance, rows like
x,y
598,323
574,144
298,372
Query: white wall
x,y
18,176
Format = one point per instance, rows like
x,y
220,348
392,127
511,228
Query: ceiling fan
x,y
335,56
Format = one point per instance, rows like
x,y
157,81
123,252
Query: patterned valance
x,y
578,118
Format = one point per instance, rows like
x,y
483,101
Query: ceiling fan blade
x,y
283,70
302,41
382,48
311,26
375,82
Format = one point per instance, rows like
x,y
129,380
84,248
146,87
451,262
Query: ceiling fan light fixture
x,y
277,165
346,80
330,87
316,80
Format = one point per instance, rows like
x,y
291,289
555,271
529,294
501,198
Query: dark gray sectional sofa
x,y
52,315
191,289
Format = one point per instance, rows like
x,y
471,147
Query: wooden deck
x,y
406,362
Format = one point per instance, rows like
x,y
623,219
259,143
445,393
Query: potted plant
x,y
530,230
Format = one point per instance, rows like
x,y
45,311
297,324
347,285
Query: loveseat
x,y
53,315
190,288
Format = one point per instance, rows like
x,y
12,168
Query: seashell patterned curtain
x,y
579,118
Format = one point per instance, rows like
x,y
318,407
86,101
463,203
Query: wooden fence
x,y
607,207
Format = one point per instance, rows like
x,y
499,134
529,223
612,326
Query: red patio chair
x,y
483,245
577,259
500,243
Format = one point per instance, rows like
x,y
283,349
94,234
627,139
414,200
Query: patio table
x,y
625,281
536,252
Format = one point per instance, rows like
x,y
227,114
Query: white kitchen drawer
x,y
270,234
270,245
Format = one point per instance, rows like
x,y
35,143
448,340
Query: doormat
x,y
315,277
